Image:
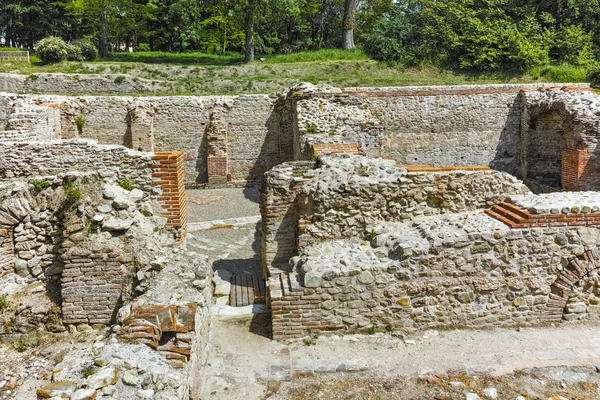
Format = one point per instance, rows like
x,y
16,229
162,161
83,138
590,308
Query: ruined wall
x,y
82,83
255,142
440,126
497,277
345,195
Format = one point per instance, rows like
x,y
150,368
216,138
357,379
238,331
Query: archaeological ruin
x,y
388,209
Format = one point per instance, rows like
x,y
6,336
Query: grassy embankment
x,y
203,73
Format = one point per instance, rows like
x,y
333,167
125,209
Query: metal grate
x,y
247,289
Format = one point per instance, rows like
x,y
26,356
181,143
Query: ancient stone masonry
x,y
255,141
566,122
377,246
216,142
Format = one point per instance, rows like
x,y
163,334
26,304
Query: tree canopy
x,y
463,34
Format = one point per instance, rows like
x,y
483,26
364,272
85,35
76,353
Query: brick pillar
x,y
576,174
168,173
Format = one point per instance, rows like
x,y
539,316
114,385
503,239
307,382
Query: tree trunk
x,y
249,31
348,24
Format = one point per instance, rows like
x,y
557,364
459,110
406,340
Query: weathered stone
x,y
60,389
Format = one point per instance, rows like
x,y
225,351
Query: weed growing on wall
x,y
125,184
120,79
4,302
41,184
72,193
80,123
312,128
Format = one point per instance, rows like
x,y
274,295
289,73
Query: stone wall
x,y
451,125
254,142
344,195
83,83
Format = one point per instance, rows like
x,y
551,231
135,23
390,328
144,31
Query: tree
x,y
348,24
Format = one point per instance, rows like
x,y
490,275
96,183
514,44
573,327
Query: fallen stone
x,y
106,376
114,224
84,394
61,389
490,393
129,378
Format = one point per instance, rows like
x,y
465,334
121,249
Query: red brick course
x,y
169,174
516,217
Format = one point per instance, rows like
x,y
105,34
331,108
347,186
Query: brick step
x,y
509,214
499,217
516,210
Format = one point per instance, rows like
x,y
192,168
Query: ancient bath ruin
x,y
381,209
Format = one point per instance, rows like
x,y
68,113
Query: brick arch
x,y
562,288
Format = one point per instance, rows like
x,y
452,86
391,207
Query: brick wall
x,y
516,217
168,173
577,170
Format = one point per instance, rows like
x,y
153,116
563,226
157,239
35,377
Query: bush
x,y
575,46
119,79
593,75
387,41
142,47
52,50
74,53
89,51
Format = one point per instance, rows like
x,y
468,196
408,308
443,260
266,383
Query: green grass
x,y
319,55
199,73
160,57
563,73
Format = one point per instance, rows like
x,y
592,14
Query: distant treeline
x,y
466,34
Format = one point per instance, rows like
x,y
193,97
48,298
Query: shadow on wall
x,y
505,158
278,146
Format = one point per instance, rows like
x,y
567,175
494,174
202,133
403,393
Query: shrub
x,y
80,123
575,46
22,344
593,75
125,184
4,302
74,53
89,51
72,194
52,50
142,47
387,40
41,184
119,79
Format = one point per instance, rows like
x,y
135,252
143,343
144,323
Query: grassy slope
x,y
202,73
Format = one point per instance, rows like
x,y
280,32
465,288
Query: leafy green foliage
x,y
89,52
80,123
74,53
388,40
72,193
4,302
120,79
41,184
312,129
125,184
593,76
52,50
